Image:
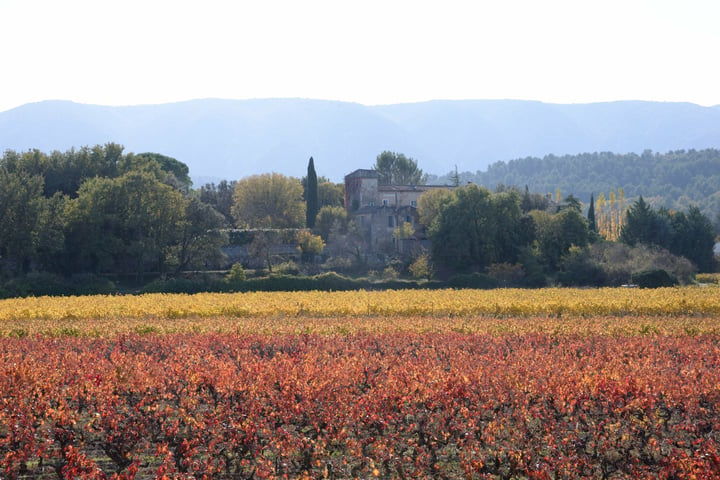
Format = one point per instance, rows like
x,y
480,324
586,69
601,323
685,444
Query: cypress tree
x,y
591,214
311,195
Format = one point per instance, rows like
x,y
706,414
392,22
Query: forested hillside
x,y
674,180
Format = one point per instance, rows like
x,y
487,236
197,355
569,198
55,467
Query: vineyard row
x,y
401,405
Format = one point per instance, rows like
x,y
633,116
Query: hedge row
x,y
38,284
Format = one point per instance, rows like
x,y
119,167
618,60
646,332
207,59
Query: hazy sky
x,y
372,52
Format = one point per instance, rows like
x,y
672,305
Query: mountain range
x,y
231,139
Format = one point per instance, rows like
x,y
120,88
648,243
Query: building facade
x,y
380,209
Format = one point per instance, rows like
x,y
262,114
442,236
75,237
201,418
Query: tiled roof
x,y
363,173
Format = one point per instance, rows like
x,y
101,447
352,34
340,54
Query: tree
x,y
397,169
220,197
693,238
642,224
175,173
311,195
51,233
21,211
309,244
471,228
331,194
200,238
329,218
557,233
591,214
431,204
128,224
268,201
421,267
513,230
455,178
689,235
534,201
463,234
261,246
610,214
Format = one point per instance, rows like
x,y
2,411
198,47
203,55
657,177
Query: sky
x,y
371,52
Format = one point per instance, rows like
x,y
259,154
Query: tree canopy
x,y
473,228
269,201
99,210
690,234
397,169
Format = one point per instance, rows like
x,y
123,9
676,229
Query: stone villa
x,y
379,209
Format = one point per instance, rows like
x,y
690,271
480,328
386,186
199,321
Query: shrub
x,y
578,269
44,283
421,267
535,280
654,279
389,273
333,281
287,268
708,278
183,285
236,273
474,280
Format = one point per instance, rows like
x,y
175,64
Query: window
x,y
385,202
391,222
413,203
408,219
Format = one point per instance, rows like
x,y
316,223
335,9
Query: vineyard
x,y
610,383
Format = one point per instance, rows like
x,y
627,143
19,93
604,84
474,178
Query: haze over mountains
x,y
231,139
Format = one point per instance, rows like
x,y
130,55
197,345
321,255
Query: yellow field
x,y
687,310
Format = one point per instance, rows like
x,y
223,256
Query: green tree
x,y
268,201
463,235
51,234
397,169
471,228
641,224
174,173
200,237
421,267
21,211
311,195
556,234
592,225
513,230
431,204
309,244
331,194
220,197
128,224
693,238
329,218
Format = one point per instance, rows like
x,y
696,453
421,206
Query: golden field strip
x,y
684,310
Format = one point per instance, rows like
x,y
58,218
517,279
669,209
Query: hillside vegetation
x,y
675,180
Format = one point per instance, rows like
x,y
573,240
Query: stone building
x,y
380,209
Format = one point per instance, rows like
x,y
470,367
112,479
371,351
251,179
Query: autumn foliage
x,y
553,396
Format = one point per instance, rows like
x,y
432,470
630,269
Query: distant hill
x,y
230,139
675,180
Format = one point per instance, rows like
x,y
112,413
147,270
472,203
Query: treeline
x,y
528,239
97,210
674,180
72,220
